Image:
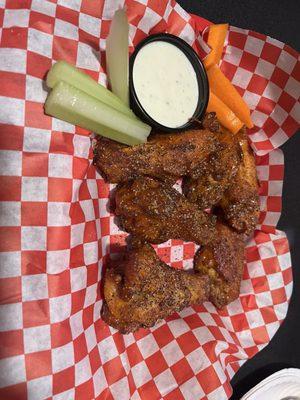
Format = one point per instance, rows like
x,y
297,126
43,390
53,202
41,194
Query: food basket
x,y
57,231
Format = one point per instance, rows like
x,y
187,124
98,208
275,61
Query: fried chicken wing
x,y
240,203
142,289
156,212
165,156
223,262
216,174
211,122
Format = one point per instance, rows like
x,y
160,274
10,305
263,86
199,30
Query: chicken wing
x,y
211,122
156,212
165,156
240,203
142,289
217,172
223,262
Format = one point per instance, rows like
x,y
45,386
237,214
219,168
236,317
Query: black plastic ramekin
x,y
203,86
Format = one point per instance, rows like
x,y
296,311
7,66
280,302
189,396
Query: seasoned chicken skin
x,y
216,174
240,203
156,212
223,262
142,289
166,157
219,172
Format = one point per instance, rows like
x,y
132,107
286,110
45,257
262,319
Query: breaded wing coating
x,y
217,172
223,262
166,157
240,203
156,212
142,290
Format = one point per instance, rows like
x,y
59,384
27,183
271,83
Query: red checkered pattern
x,y
266,72
270,171
56,229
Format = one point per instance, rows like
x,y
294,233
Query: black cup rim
x,y
203,85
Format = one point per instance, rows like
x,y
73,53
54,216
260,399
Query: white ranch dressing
x,y
165,83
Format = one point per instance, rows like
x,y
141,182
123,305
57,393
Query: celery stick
x,y
63,71
117,57
72,105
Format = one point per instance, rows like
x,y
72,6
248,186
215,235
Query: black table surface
x,y
280,20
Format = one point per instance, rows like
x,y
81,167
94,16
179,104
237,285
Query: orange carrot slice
x,y
226,117
216,38
226,92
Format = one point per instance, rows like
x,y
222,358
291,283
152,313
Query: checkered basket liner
x,y
56,230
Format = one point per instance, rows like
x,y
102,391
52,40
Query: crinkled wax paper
x,y
56,230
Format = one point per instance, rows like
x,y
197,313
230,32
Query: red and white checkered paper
x,y
56,230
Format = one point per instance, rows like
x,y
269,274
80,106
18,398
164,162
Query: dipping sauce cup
x,y
167,82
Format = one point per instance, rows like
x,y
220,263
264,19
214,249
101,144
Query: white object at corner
x,y
283,385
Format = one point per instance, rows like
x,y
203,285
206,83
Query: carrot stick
x,y
226,117
225,91
216,38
